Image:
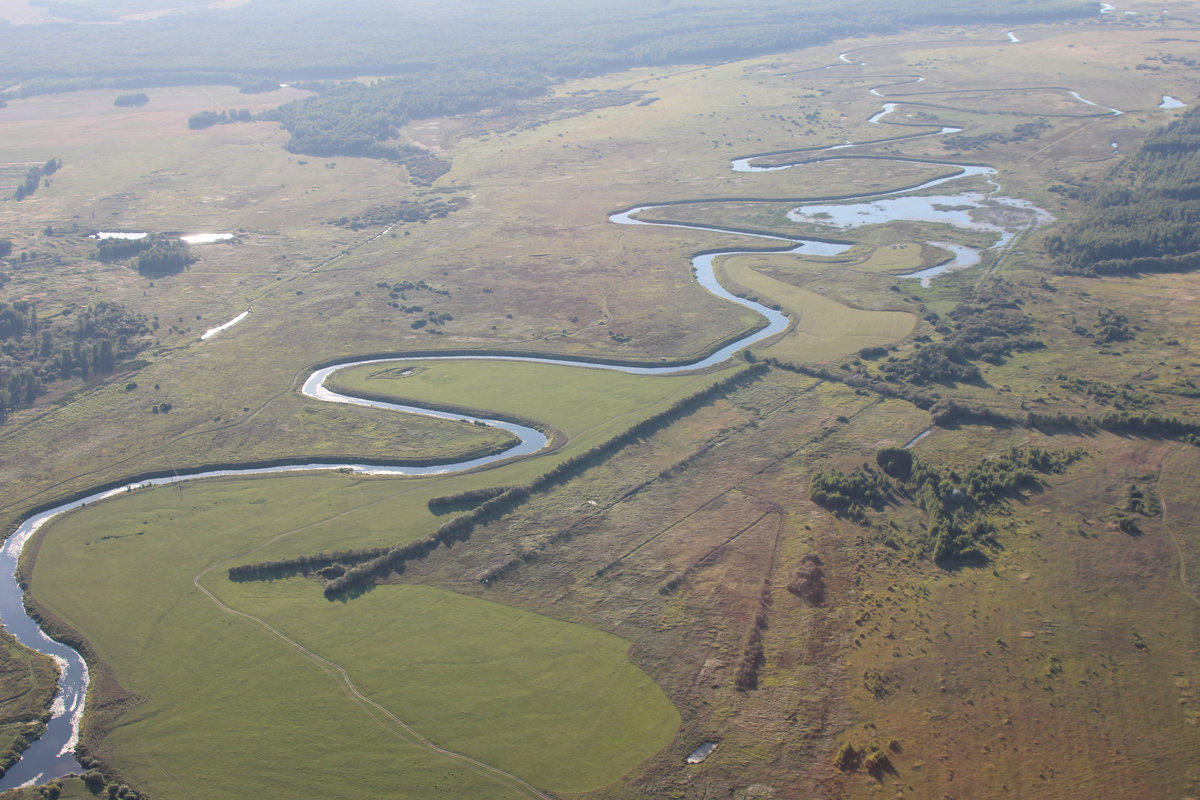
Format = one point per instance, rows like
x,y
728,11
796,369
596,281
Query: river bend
x,y
53,755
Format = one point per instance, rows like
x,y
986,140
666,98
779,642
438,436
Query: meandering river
x,y
53,754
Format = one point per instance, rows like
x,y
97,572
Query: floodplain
x,y
584,641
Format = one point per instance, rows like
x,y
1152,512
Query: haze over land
x,y
924,524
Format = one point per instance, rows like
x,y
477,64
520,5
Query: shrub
x,y
877,763
847,758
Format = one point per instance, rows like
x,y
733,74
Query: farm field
x,y
674,568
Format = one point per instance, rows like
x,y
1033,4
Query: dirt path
x,y
1162,501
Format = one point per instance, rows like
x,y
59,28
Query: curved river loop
x,y
53,754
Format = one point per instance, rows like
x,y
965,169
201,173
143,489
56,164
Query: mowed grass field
x,y
587,404
231,709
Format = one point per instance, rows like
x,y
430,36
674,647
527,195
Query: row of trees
x,y
1120,421
369,565
33,178
465,499
753,657
132,100
420,210
206,119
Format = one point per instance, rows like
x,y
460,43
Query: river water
x,y
53,754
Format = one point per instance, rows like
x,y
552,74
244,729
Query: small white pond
x,y
191,238
1171,102
702,752
118,235
206,238
211,332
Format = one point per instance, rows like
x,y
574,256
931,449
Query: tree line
x,y
356,570
132,100
34,177
1152,425
206,119
1144,216
310,39
447,65
419,210
746,676
465,499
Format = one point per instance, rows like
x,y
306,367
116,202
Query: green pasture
x,y
823,328
229,709
587,404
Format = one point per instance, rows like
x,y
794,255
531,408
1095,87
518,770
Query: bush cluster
x,y
850,494
957,504
76,343
808,581
746,677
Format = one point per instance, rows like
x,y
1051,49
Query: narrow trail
x,y
1183,584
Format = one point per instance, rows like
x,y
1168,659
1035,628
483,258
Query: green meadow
x,y
586,404
554,703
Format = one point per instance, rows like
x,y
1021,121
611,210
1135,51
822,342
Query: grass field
x,y
586,404
411,649
825,328
611,644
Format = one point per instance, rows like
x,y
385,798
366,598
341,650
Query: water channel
x,y
53,754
